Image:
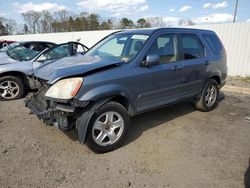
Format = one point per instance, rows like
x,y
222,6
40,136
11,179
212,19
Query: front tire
x,y
11,88
108,128
209,96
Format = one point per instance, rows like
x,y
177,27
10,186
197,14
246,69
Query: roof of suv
x,y
151,31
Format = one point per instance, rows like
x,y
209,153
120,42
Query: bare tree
x,y
31,19
115,23
7,26
142,23
84,19
11,26
156,22
106,25
2,28
45,22
125,23
65,21
93,20
185,22
60,23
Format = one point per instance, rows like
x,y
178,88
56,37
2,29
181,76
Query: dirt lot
x,y
173,147
238,81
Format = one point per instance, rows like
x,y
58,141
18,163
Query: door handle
x,y
175,68
207,63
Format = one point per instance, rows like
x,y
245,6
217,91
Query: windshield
x,y
61,51
120,47
58,52
22,53
8,46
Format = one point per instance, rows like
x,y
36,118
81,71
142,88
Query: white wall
x,y
88,38
235,37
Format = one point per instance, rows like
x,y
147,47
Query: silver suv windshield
x,y
8,46
119,47
22,53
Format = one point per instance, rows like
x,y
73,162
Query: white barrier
x,y
88,38
235,37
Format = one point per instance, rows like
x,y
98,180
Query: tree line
x,y
65,21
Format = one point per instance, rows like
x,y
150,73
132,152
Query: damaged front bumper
x,y
60,113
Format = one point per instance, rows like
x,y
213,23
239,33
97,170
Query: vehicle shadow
x,y
149,120
247,176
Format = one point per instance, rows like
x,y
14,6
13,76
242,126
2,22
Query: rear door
x,y
194,63
162,83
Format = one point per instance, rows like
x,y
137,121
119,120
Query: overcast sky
x,y
200,11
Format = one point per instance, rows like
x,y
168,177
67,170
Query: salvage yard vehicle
x,y
126,74
21,59
4,43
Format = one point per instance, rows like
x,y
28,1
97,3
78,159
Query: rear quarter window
x,y
213,43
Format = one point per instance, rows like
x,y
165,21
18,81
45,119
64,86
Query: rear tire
x,y
11,88
209,96
108,128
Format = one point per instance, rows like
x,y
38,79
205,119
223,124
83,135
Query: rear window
x,y
213,43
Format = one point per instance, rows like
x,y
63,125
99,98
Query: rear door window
x,y
191,47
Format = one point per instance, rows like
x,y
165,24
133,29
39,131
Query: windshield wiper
x,y
16,56
9,47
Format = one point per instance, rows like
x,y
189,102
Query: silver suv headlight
x,y
65,89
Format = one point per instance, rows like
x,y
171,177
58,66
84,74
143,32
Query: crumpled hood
x,y
5,59
70,66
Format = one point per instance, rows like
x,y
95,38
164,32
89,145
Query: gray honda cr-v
x,y
125,74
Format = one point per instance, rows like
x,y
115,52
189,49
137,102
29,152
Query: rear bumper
x,y
222,83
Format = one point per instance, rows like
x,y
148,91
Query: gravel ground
x,y
238,81
172,147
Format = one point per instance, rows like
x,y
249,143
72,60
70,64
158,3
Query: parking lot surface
x,y
176,146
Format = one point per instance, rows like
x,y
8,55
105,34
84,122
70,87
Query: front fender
x,y
22,67
107,91
82,122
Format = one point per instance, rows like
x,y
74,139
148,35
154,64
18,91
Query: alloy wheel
x,y
9,89
211,95
108,128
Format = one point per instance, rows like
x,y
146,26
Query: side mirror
x,y
151,60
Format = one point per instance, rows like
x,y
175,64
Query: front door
x,y
162,83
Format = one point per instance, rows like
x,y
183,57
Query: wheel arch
x,y
115,92
82,123
214,76
20,75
